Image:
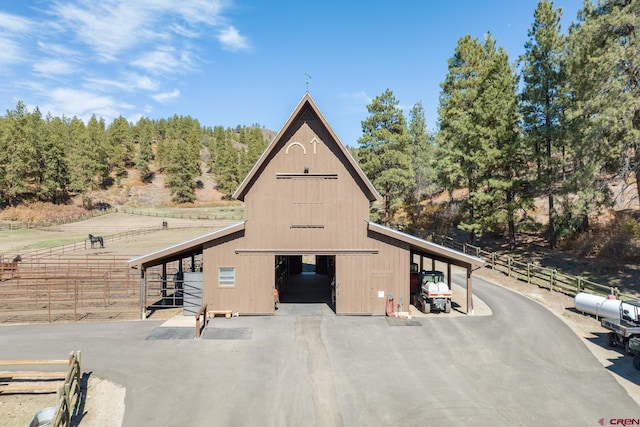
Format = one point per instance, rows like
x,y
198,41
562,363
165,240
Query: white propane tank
x,y
597,305
443,288
432,288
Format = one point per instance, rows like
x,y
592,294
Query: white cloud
x,y
14,24
13,30
199,11
164,60
11,52
131,82
53,67
82,104
166,96
57,49
355,102
114,51
232,40
108,27
111,27
145,83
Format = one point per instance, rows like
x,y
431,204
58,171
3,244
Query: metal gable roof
x,y
175,252
371,193
441,252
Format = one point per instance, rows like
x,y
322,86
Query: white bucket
x,y
43,417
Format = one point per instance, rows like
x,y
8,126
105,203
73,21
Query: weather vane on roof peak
x,y
308,79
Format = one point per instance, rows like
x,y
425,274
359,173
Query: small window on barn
x,y
226,277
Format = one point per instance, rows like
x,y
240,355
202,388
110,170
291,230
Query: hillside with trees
x,y
545,144
56,160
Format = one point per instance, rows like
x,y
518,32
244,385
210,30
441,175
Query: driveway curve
x,y
306,366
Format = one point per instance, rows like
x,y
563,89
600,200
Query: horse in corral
x,y
9,270
96,239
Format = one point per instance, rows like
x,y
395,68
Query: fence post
x,y
67,398
75,301
529,273
551,282
509,261
578,284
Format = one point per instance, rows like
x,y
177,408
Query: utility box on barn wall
x,y
192,291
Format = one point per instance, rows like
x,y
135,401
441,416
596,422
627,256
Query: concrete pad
x,y
302,309
180,321
397,321
169,333
227,333
459,304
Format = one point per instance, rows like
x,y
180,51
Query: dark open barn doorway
x,y
306,279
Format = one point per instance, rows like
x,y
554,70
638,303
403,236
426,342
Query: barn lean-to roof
x,y
437,252
355,170
183,249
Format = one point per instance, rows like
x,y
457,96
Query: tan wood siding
x,y
324,209
253,290
393,257
353,293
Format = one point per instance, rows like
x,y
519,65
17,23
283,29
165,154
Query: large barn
x,y
307,196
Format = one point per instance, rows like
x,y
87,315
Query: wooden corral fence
x,y
544,277
66,384
70,288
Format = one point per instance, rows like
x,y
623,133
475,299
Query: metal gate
x,y
192,291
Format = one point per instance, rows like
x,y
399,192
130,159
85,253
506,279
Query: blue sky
x,y
242,62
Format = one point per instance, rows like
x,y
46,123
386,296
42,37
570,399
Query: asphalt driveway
x,y
306,367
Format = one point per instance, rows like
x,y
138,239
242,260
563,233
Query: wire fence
x,y
19,225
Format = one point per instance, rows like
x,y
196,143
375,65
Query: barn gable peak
x,y
307,112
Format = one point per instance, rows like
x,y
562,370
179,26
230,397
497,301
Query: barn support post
x,y
143,294
469,292
164,281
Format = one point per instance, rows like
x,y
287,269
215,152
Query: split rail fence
x,y
544,277
67,384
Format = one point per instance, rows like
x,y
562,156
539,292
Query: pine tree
x,y
144,156
120,141
603,69
54,163
478,137
21,133
421,149
541,100
179,157
100,152
79,153
383,153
